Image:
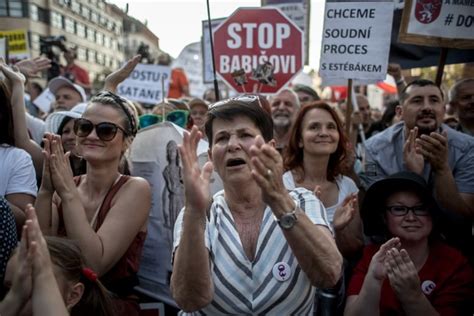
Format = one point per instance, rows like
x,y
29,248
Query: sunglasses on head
x,y
106,131
178,117
246,98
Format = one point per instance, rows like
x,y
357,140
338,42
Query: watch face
x,y
287,221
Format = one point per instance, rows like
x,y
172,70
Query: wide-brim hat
x,y
373,206
57,83
55,119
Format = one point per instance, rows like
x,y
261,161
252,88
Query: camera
x,y
51,47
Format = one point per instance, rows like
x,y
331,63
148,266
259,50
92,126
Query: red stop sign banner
x,y
251,37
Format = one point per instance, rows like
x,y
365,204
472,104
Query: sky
x,y
177,23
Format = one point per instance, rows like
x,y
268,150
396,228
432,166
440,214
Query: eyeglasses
x,y
402,210
106,131
178,117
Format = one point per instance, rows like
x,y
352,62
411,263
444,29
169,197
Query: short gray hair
x,y
291,91
453,92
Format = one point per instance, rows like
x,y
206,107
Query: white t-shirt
x,y
345,184
35,127
17,174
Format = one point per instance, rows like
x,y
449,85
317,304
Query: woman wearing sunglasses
x,y
413,272
103,210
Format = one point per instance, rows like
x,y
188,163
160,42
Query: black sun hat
x,y
373,206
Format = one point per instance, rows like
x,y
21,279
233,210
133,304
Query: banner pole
x,y
441,63
216,86
349,107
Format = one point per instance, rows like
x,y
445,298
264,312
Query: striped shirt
x,y
243,287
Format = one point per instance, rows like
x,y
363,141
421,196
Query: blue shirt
x,y
384,156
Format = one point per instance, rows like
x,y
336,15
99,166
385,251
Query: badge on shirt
x,y
428,286
281,271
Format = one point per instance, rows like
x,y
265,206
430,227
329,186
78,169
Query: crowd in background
x,y
374,221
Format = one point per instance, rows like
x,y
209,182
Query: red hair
x,y
293,155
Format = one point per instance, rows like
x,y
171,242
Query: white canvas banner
x,y
147,84
154,156
356,40
447,19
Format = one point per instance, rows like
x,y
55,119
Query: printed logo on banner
x,y
427,11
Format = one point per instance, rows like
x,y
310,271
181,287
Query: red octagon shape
x,y
253,36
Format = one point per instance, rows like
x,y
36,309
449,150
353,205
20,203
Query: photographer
x,y
74,72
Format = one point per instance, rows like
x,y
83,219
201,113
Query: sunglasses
x,y
105,131
178,117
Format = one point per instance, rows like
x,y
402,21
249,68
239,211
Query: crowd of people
x,y
310,219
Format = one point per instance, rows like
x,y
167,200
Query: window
x,y
107,42
100,58
90,34
81,53
75,7
43,15
35,41
94,17
56,20
34,12
14,8
91,56
85,12
65,3
99,38
81,30
69,25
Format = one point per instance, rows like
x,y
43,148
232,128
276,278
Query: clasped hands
x,y
57,172
393,262
432,147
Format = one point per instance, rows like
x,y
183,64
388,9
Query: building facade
x,y
95,27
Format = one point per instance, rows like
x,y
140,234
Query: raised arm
x,y
313,245
119,75
46,298
22,138
44,199
191,282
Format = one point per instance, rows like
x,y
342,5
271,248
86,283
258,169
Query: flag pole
x,y
216,86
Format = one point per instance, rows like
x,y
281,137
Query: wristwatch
x,y
288,220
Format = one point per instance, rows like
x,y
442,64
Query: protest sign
x,y
154,156
17,44
298,11
208,75
147,83
44,100
416,56
442,23
356,40
258,50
